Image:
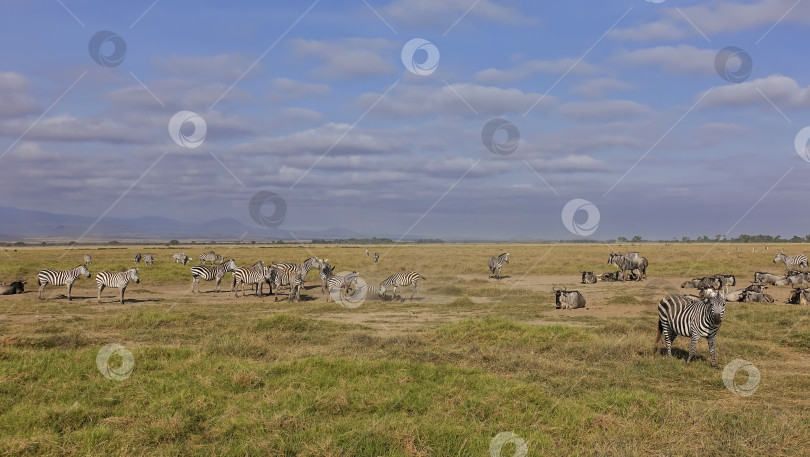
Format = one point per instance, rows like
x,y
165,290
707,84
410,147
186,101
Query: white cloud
x,y
781,90
13,101
601,110
432,13
596,88
659,30
222,67
673,59
290,89
349,57
532,67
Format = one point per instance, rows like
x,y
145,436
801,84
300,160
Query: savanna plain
x,y
471,357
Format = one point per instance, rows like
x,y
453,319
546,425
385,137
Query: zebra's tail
x,y
422,278
660,332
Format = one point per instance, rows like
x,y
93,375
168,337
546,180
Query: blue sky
x,y
617,103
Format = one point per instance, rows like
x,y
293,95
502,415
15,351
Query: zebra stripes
x,y
325,271
399,280
87,259
211,256
242,276
148,259
799,260
61,278
495,264
138,257
376,257
294,278
210,273
686,316
337,284
119,280
180,257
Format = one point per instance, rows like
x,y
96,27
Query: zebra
x,y
495,264
119,280
681,315
87,259
630,262
336,284
212,257
180,257
366,252
325,271
207,273
376,257
138,257
148,259
799,260
256,267
242,276
398,280
61,278
303,268
292,277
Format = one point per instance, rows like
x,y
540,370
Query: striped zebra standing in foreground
x,y
148,259
242,276
180,257
399,280
210,273
339,284
495,264
138,258
119,280
799,260
212,257
61,278
325,271
293,278
87,259
686,316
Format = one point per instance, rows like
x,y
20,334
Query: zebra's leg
x,y
415,289
41,288
235,288
710,340
668,339
69,286
122,294
100,288
219,279
194,283
693,346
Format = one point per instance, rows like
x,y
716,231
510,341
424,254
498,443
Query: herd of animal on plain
x,y
688,315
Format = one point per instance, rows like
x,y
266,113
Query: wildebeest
x,y
568,299
769,278
138,258
739,295
799,296
16,287
757,297
610,277
795,277
588,277
630,262
727,280
706,282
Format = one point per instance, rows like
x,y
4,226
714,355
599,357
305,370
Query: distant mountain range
x,y
21,225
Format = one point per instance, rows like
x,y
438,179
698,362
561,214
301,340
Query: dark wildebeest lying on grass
x,y
16,287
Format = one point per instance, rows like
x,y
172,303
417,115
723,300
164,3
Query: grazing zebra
x,y
336,284
180,257
212,257
376,257
799,260
119,280
495,264
242,276
148,259
294,278
398,280
210,273
61,278
325,271
87,259
685,316
138,257
366,252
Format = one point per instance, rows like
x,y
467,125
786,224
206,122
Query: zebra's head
x,y
505,256
269,273
311,263
779,258
83,271
230,265
718,307
133,274
610,258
